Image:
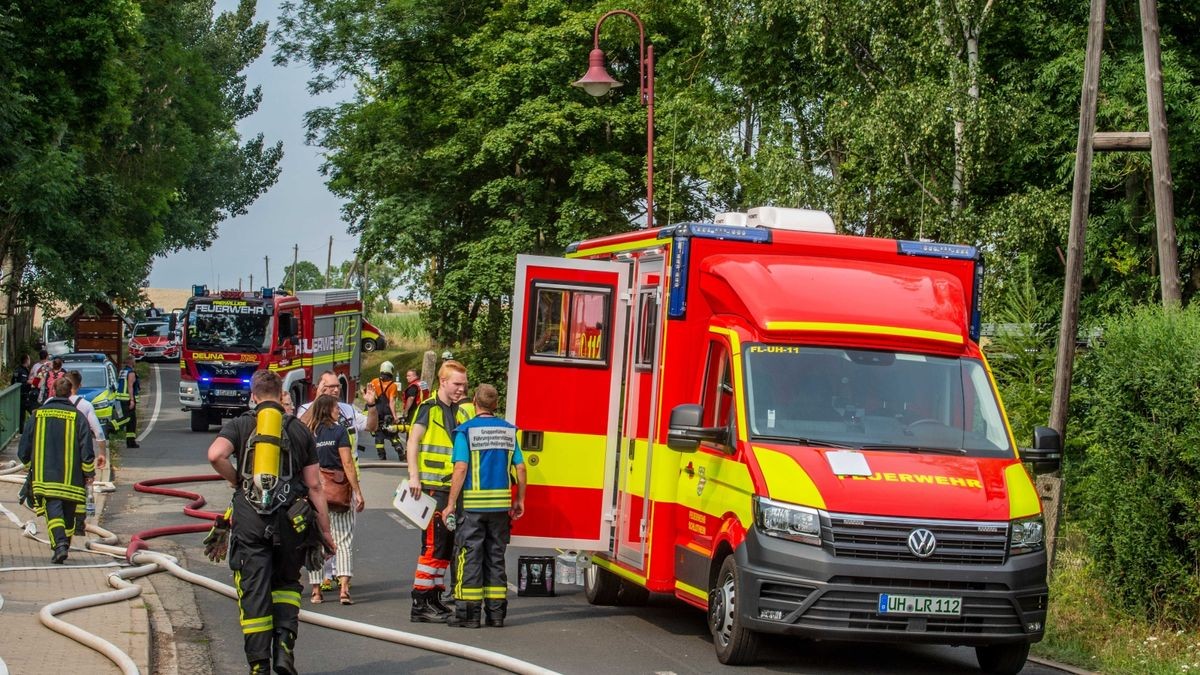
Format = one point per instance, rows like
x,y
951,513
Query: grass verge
x,y
1085,629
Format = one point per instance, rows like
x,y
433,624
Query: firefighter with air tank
x,y
279,520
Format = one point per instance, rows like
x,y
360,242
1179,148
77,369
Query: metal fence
x,y
10,412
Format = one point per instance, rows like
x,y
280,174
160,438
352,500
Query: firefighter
x,y
277,507
429,470
384,387
486,450
128,389
56,447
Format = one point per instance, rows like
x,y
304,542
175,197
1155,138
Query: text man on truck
x,y
793,430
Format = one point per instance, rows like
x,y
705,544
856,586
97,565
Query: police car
x,y
99,385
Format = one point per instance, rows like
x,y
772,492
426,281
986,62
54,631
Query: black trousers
x,y
64,519
482,538
265,556
130,422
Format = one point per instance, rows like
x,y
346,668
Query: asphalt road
x,y
563,633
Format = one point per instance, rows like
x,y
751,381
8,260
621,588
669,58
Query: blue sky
x,y
298,209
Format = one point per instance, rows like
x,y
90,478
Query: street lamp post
x,y
598,82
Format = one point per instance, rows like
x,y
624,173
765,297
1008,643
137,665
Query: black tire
x,y
735,644
1002,659
600,586
199,420
631,594
368,345
298,398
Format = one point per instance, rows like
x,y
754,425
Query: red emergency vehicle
x,y
227,335
793,430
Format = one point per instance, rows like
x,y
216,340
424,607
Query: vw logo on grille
x,y
922,542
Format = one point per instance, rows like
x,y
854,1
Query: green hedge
x,y
1140,494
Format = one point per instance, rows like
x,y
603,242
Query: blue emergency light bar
x,y
267,293
199,289
930,249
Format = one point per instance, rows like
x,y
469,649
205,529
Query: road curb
x,y
1060,666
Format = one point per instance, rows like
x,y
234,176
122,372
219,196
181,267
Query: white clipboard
x,y
419,510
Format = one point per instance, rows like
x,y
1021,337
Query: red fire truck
x,y
227,335
793,430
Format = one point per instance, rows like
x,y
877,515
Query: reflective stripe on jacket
x,y
433,454
57,445
489,482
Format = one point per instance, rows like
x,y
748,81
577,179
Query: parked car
x,y
153,340
99,385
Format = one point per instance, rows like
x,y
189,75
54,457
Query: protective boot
x,y
60,554
262,667
466,614
285,658
435,601
495,611
424,612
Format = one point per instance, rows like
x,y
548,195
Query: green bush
x,y
1140,495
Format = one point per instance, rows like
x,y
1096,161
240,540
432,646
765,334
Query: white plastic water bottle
x,y
91,501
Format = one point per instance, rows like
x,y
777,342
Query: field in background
x,y
403,330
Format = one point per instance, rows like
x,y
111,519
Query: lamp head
x,y
596,81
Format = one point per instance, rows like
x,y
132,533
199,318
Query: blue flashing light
x,y
677,290
929,249
246,380
205,378
200,290
268,293
755,235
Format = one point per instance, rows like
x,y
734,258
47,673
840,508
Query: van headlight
x,y
1027,535
787,521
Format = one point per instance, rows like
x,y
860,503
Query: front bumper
x,y
228,400
797,589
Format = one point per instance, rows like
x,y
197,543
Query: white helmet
x,y
386,368
446,355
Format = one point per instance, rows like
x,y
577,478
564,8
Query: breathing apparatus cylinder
x,y
266,454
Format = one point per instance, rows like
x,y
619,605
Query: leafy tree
x,y
119,139
303,276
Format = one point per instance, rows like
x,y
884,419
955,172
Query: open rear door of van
x,y
564,384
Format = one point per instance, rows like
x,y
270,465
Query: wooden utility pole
x,y
1089,141
329,262
267,263
295,262
1160,158
251,281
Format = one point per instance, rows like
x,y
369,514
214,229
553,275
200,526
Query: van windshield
x,y
873,399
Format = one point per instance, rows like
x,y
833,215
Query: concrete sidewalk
x,y
28,646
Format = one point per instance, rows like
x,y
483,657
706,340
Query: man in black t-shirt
x,y
412,396
266,547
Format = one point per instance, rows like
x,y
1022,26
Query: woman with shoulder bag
x,y
339,482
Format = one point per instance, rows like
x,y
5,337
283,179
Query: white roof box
x,y
735,218
797,220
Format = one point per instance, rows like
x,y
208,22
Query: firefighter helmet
x,y
386,368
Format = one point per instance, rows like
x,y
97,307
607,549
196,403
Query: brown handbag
x,y
337,490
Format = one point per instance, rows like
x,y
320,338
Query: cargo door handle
x,y
690,470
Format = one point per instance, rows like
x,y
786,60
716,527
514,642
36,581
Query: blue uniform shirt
x,y
494,464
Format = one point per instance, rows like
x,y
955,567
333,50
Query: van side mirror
x,y
1046,453
684,432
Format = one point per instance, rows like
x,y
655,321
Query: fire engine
x,y
793,430
227,335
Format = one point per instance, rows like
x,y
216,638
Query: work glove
x,y
216,544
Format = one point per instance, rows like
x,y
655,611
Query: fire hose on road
x,y
145,562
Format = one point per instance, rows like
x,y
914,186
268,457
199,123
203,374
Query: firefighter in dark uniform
x,y
485,454
278,510
56,446
128,390
430,443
